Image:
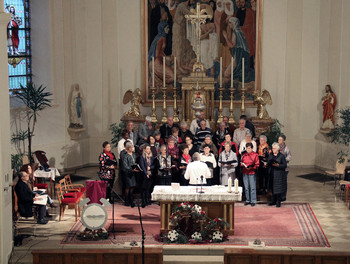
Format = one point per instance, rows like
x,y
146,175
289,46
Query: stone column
x,y
5,157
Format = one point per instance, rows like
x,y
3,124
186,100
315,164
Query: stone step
x,y
187,259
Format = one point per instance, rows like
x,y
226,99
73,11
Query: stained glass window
x,y
18,44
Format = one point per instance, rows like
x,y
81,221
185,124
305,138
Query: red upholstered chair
x,y
67,193
70,186
72,202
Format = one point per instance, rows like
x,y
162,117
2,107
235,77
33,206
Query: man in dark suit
x,y
26,199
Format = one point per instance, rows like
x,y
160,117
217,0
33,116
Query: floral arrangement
x,y
89,235
190,224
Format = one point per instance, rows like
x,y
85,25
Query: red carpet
x,y
294,224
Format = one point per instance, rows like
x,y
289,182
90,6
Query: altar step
x,y
190,255
185,259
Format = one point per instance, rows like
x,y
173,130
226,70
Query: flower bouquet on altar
x,y
93,235
190,224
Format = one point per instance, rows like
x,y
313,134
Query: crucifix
x,y
197,18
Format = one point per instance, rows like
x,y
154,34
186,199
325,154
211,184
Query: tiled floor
x,y
330,211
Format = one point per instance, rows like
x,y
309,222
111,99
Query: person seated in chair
x,y
26,199
29,170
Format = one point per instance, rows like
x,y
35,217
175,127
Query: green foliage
x,y
35,99
116,129
16,161
273,132
341,132
18,139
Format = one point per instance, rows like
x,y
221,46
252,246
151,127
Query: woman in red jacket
x,y
250,163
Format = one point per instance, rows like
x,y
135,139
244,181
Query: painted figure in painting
x,y
329,100
160,12
247,19
239,49
182,48
157,51
12,30
225,29
76,108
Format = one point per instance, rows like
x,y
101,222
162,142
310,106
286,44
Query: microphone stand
x,y
201,191
143,235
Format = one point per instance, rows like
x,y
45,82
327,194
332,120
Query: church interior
x,y
97,51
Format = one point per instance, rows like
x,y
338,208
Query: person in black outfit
x,y
147,165
26,199
108,163
277,165
248,125
165,129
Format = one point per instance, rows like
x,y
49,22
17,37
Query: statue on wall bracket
x,y
328,101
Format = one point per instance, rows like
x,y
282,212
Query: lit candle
x,y
220,71
231,72
242,72
229,184
174,71
152,71
163,71
236,185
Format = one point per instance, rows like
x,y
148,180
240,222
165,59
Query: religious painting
x,y
18,43
226,43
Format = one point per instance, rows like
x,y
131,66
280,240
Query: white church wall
x,y
6,235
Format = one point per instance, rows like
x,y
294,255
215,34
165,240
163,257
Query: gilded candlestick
x,y
243,101
164,117
220,117
154,116
231,119
176,117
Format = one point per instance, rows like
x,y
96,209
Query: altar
x,y
215,201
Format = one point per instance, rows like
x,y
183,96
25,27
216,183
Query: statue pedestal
x,y
75,132
261,125
189,93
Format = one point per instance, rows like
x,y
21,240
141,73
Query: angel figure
x,y
261,101
136,99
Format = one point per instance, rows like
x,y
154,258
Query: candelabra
x,y
176,117
243,101
231,119
164,117
154,116
220,117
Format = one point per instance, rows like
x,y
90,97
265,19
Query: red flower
x,y
202,212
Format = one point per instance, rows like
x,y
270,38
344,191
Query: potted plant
x,y
116,129
35,99
341,133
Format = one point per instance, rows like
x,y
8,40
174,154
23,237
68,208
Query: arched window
x,y
18,44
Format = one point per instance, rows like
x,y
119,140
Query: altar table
x,y
215,201
52,174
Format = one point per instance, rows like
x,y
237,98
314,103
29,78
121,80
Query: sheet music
x,y
41,200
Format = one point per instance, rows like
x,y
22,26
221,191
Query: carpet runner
x,y
293,225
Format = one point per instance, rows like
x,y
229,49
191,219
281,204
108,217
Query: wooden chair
x,y
338,173
75,186
64,201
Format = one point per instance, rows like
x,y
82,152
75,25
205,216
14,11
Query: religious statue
x,y
329,100
261,100
76,108
136,99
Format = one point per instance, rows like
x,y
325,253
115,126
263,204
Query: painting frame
x,y
144,61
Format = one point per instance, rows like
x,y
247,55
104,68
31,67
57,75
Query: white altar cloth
x,y
216,193
47,174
